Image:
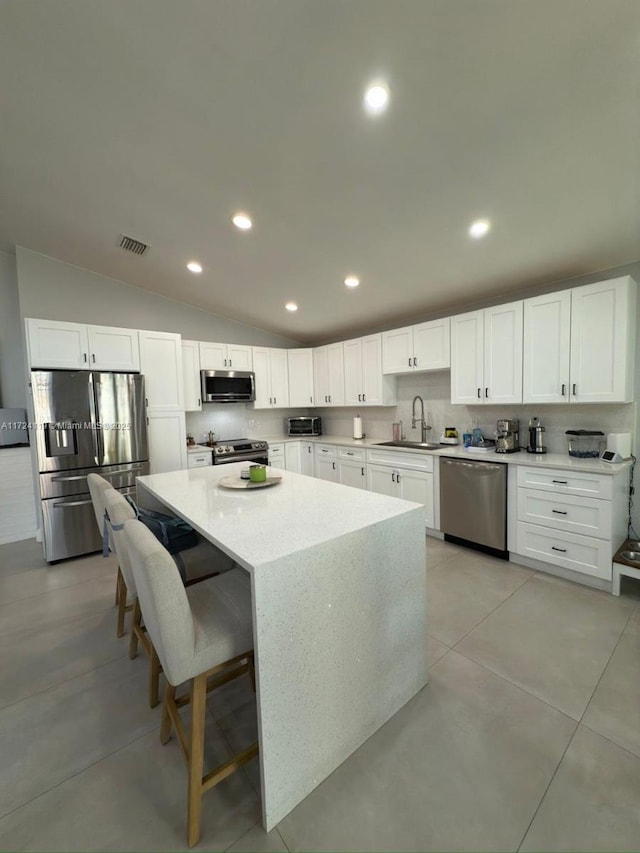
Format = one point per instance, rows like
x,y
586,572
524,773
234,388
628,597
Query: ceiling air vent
x,y
129,244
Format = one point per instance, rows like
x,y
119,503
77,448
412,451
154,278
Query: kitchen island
x,y
339,611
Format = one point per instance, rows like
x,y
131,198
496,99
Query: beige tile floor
x,y
527,736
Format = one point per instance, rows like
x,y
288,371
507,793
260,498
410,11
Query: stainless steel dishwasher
x,y
473,504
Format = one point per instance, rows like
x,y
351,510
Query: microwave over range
x,y
227,386
303,426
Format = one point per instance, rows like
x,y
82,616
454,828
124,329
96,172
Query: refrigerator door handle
x,y
96,433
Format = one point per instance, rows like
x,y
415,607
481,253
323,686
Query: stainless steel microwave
x,y
304,426
227,386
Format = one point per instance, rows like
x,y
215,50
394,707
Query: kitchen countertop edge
x,y
543,460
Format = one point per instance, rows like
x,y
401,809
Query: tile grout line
x,y
46,591
486,616
613,651
61,683
73,775
544,794
578,724
512,684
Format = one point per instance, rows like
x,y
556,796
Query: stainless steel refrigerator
x,y
85,422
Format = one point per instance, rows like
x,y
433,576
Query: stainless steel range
x,y
241,450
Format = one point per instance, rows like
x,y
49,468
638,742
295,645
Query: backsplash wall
x,y
435,389
238,420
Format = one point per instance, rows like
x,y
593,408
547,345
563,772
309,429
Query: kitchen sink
x,y
415,445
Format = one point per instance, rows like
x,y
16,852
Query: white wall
x,y
12,355
53,290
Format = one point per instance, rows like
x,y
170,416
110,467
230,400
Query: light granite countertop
x,y
254,526
543,460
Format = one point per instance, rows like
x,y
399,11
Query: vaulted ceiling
x,y
160,119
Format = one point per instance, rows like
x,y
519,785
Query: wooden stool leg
x,y
196,757
118,576
122,607
154,677
136,621
165,727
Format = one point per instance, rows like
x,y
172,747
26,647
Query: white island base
x,y
339,612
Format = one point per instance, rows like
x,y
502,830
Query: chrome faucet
x,y
422,420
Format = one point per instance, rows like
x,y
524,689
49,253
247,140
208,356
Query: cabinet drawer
x,y
583,554
328,450
276,451
418,461
358,454
198,460
566,482
584,516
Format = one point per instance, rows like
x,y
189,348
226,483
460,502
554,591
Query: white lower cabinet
x,y
570,519
352,467
199,460
404,475
277,457
307,458
292,456
299,457
325,462
167,445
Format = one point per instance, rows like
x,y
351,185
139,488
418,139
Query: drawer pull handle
x,y
479,393
559,511
349,453
562,550
560,482
575,390
563,392
362,469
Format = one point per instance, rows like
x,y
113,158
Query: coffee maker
x,y
535,436
508,436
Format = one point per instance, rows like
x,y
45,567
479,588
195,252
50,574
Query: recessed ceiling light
x,y
194,266
352,281
291,306
479,228
242,221
376,98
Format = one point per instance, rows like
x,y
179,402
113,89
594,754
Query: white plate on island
x,y
231,482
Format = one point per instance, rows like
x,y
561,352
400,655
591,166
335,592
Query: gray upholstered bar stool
x,y
200,632
97,487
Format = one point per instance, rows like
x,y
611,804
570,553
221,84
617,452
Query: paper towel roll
x,y
357,427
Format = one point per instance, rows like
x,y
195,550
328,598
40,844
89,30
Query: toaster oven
x,y
304,426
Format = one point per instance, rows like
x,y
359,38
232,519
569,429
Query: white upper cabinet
x,y
328,375
503,354
364,383
56,344
300,368
467,358
74,346
417,348
191,376
547,335
603,324
161,363
214,356
114,349
486,356
579,344
272,382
